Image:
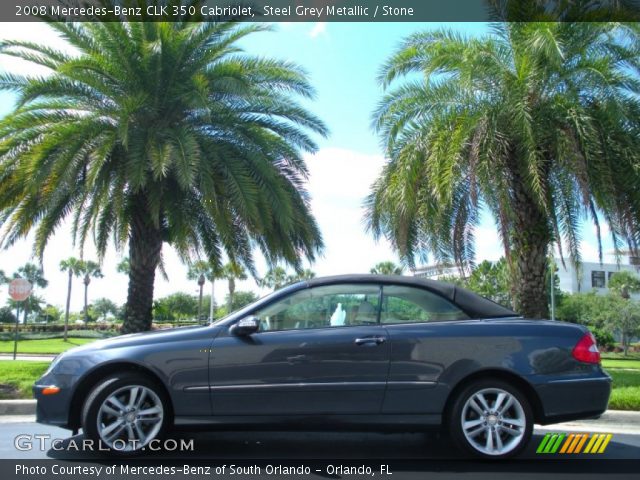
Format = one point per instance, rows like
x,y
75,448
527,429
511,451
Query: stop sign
x,y
19,289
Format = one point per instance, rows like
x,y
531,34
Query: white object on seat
x,y
338,317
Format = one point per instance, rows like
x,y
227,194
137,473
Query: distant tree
x,y
50,313
103,307
624,283
73,267
492,280
32,305
241,299
35,276
177,306
7,315
233,271
275,278
626,320
90,270
202,270
306,274
386,268
3,277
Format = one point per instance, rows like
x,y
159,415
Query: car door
x,y
419,323
320,350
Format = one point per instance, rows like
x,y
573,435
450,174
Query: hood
x,y
148,338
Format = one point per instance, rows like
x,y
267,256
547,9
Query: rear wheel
x,y
491,419
125,412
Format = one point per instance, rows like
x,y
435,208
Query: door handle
x,y
370,341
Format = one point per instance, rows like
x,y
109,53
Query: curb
x,y
17,407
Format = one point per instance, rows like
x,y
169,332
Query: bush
x,y
604,338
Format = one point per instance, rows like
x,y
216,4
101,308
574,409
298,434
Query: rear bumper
x,y
565,399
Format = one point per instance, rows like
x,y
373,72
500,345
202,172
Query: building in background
x,y
594,276
436,271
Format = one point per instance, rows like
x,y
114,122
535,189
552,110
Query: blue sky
x,y
342,60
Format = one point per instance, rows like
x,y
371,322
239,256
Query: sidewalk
x,y
29,357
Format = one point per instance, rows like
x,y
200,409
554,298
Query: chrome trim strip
x,y
276,386
573,380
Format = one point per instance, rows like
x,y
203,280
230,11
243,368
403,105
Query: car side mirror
x,y
245,326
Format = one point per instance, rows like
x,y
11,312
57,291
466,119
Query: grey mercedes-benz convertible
x,y
345,352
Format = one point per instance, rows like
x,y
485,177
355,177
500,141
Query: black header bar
x,y
320,10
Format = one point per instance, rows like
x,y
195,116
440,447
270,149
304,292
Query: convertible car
x,y
345,352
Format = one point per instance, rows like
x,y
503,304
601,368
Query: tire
x,y
124,412
510,429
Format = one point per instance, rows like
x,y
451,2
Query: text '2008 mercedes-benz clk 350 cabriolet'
x,y
347,352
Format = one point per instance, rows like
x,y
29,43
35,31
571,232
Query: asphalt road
x,y
407,455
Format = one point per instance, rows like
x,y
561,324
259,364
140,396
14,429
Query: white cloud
x,y
318,29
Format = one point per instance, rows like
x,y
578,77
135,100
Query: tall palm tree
x,y
233,271
90,270
73,267
536,122
386,268
209,271
306,274
159,132
35,276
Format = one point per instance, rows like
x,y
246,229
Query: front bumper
x,y
52,409
565,399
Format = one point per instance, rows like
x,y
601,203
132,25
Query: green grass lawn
x,y
46,346
17,377
626,389
618,363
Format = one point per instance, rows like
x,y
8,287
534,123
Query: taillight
x,y
586,350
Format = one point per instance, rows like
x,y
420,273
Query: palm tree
x,y
201,270
275,278
35,276
90,270
73,267
537,122
233,271
3,277
386,268
159,132
306,274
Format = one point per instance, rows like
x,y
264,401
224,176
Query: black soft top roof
x,y
474,305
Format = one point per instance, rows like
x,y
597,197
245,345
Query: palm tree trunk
x,y
232,289
86,309
145,246
213,282
66,313
531,239
200,304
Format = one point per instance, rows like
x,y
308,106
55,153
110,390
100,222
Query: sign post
x,y
19,291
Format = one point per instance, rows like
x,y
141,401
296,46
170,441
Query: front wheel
x,y
124,413
491,419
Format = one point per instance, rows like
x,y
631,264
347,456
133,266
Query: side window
x,y
402,304
320,307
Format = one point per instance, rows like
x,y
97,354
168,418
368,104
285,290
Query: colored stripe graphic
x,y
550,443
573,443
